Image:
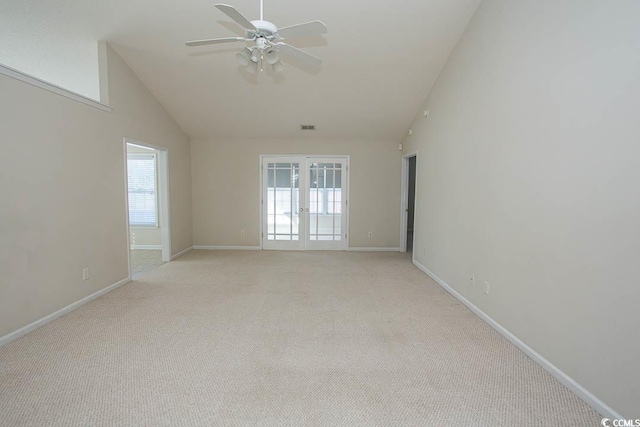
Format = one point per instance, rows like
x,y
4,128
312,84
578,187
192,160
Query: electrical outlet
x,y
472,279
370,234
241,233
424,250
486,287
85,274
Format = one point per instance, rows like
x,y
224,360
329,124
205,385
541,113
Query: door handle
x,y
301,209
307,210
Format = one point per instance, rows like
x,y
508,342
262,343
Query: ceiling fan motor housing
x,y
265,29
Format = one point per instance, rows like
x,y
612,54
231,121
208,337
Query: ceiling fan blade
x,y
300,55
232,13
215,41
313,28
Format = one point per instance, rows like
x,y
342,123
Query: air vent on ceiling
x,y
307,127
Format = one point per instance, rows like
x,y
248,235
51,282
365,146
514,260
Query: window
x,y
142,183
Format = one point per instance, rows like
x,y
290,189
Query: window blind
x,y
142,184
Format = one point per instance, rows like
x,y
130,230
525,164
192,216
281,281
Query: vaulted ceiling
x,y
380,59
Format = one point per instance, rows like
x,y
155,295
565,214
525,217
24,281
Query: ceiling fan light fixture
x,y
277,67
271,56
252,68
244,56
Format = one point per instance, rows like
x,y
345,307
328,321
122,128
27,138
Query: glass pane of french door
x,y
282,204
304,203
326,203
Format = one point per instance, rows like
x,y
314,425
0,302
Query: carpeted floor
x,y
278,338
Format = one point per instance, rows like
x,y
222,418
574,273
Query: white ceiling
x,y
380,60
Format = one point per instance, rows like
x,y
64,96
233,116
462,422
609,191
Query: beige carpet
x,y
278,338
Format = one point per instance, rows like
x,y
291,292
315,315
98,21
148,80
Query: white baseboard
x,y
566,380
146,246
182,252
372,249
53,316
257,248
227,248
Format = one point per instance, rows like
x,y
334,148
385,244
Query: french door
x,y
304,203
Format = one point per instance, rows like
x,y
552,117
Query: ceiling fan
x,y
265,39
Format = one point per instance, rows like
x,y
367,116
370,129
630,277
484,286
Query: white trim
x,y
584,394
261,200
141,144
227,248
26,78
146,246
53,316
182,252
403,203
373,249
126,207
164,211
347,211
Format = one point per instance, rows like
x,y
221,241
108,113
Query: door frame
x,y
347,188
163,195
404,200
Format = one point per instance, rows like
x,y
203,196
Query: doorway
x,y
147,207
408,204
304,202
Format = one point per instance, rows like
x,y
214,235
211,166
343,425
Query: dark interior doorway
x,y
411,202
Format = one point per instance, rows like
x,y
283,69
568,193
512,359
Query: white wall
x,y
63,191
50,45
528,177
226,188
